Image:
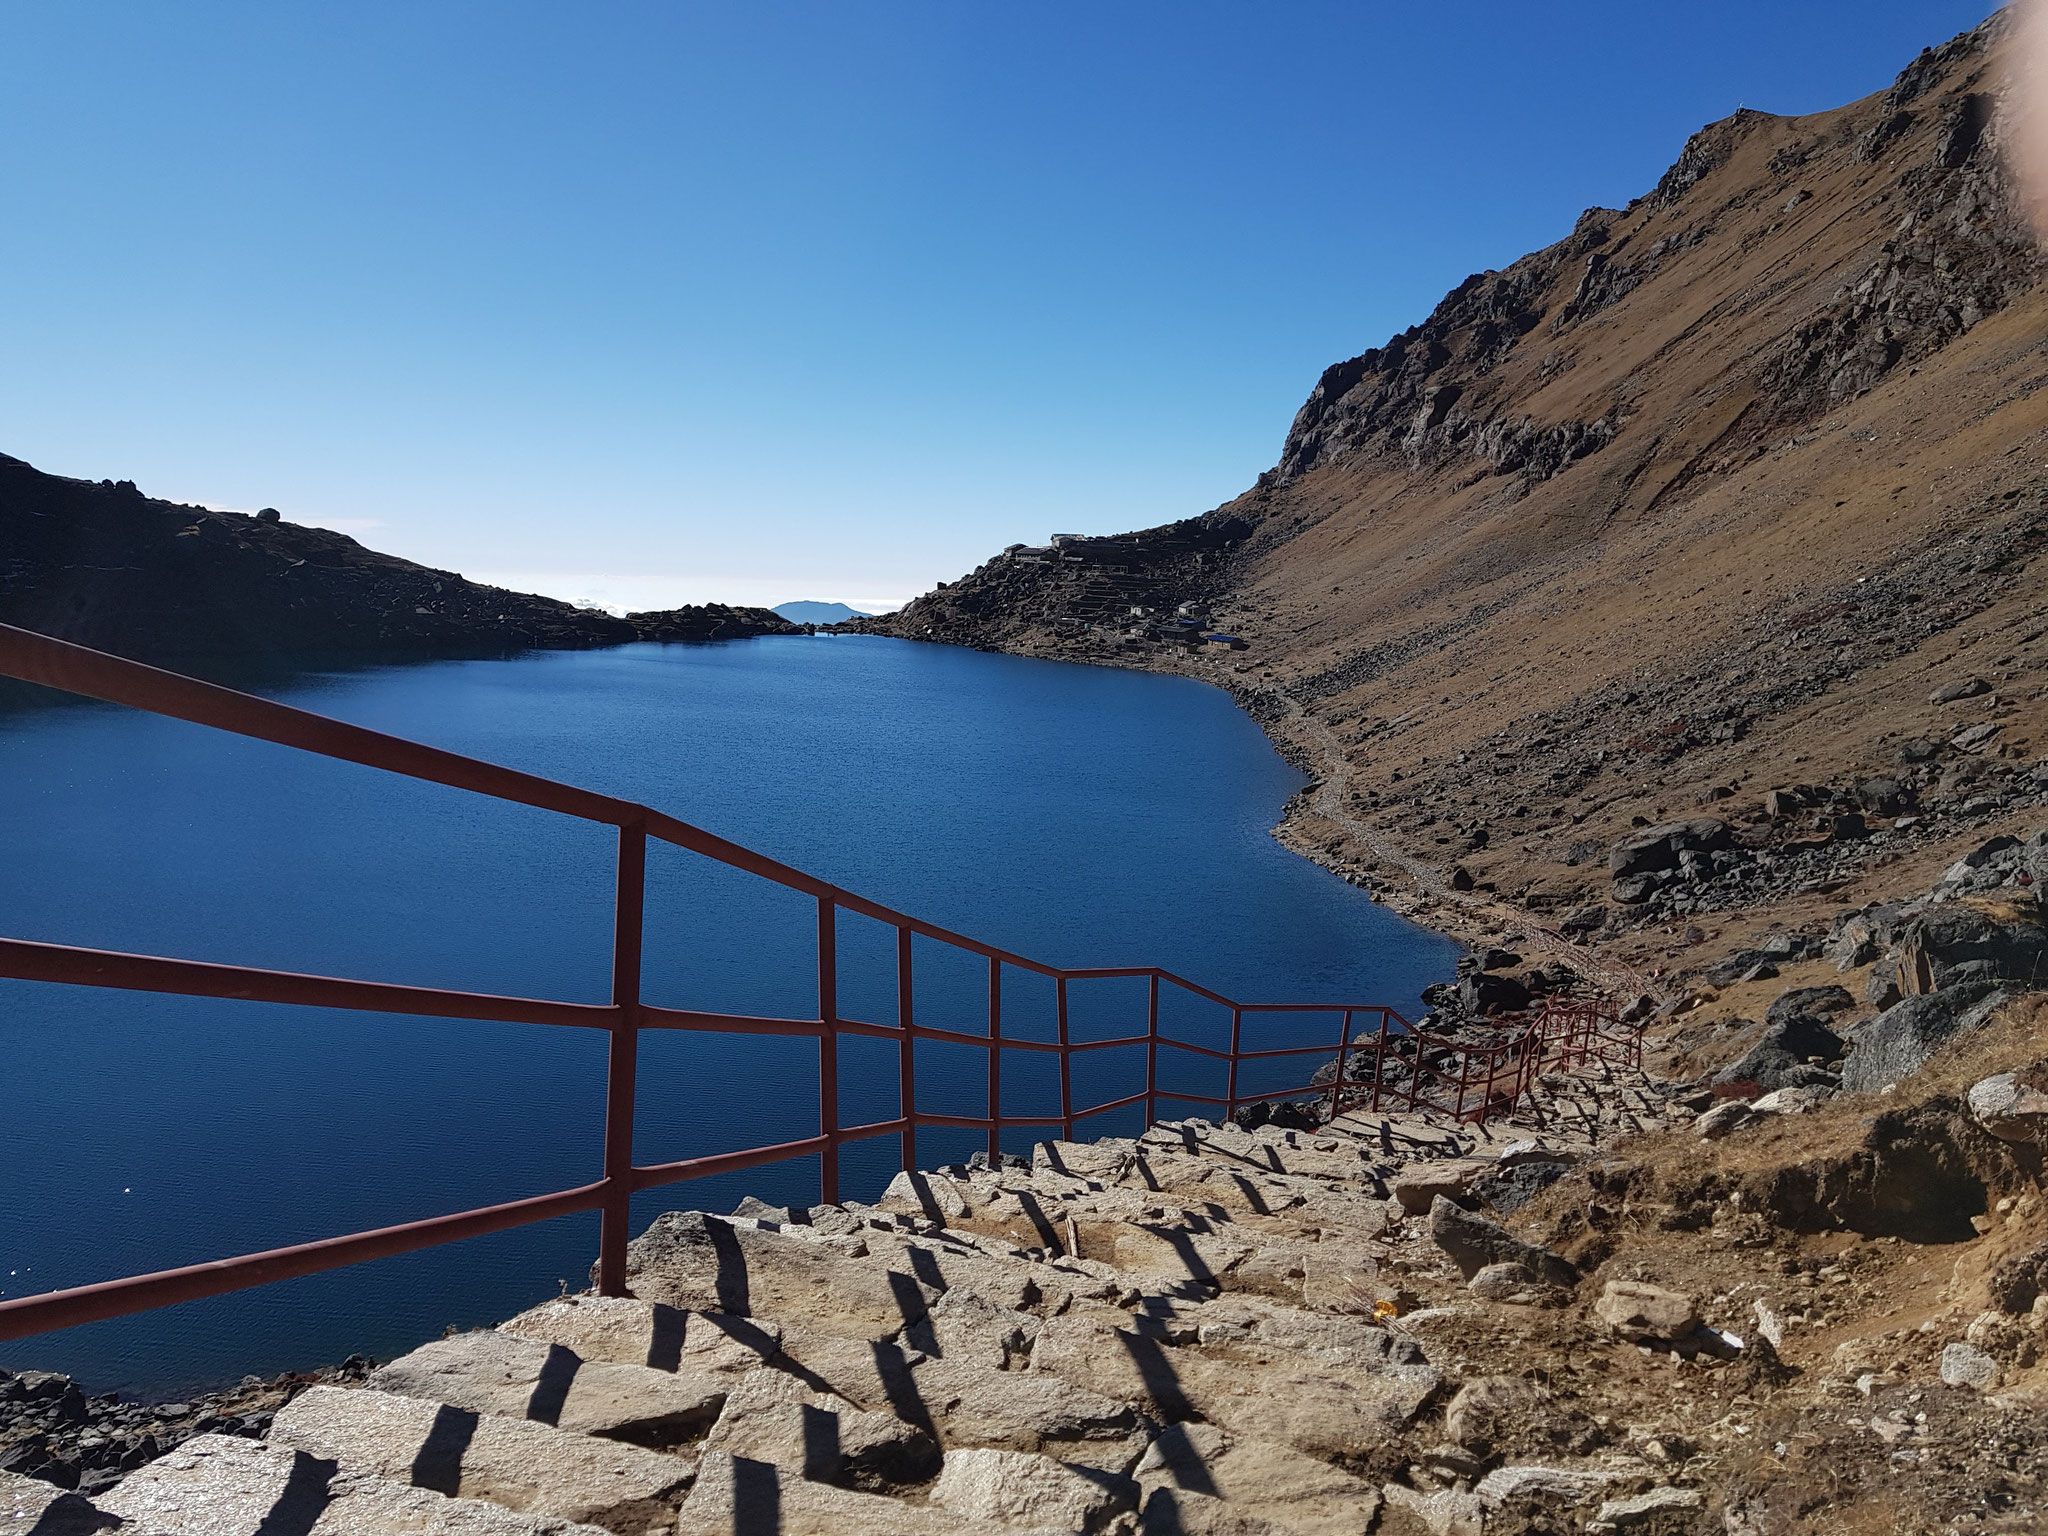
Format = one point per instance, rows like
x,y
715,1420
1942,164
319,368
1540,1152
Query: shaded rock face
x,y
105,566
1906,1036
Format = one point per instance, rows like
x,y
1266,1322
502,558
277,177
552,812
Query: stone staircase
x,y
1196,1331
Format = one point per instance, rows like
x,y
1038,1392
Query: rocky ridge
x,y
103,565
1725,505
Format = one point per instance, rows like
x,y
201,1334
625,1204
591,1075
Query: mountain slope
x,y
1703,500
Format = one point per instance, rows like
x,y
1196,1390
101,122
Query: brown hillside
x,y
1702,501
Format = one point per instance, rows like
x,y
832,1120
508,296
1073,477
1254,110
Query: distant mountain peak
x,y
817,613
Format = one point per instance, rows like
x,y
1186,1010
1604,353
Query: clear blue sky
x,y
657,302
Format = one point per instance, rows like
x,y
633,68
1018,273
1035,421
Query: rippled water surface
x,y
1079,815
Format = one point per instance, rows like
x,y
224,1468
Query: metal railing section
x,y
1471,1082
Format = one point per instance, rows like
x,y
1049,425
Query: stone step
x,y
820,1436
627,1330
223,1485
523,1466
489,1371
687,1259
30,1505
1261,1479
735,1496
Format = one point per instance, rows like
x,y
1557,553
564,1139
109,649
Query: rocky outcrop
x,y
711,621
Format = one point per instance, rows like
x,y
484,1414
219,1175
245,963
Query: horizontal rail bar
x,y
54,663
140,1293
27,960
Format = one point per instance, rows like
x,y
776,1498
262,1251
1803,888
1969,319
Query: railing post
x,y
906,1060
1066,1065
1230,1083
995,1061
1152,1052
1379,1059
1343,1052
828,1050
629,907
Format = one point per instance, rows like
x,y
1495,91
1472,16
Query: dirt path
x,y
1537,940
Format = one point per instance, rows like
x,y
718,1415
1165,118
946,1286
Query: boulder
x,y
1018,1488
1260,1479
1902,1039
1652,849
1646,1313
1811,1007
1729,1115
516,1463
2010,1109
1472,1243
1961,688
1974,939
226,1485
492,1372
1484,993
1504,1282
1780,1059
1417,1186
1965,1365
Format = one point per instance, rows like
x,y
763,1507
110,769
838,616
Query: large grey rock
x,y
225,1485
1965,1365
628,1330
1416,1187
32,1507
1259,1478
492,1372
1975,940
1017,1488
517,1463
1646,1313
1658,848
1472,1242
1905,1037
2009,1109
737,1497
771,1417
707,1263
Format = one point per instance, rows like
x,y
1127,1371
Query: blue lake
x,y
1082,816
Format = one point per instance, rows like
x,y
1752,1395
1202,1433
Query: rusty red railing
x,y
1487,1079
